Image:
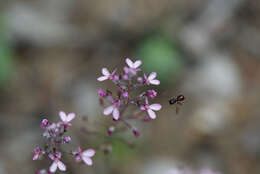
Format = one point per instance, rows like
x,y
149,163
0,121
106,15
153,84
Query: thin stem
x,y
127,124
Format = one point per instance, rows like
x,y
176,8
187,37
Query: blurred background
x,y
52,51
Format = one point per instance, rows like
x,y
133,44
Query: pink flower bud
x,y
125,94
44,124
110,130
152,93
136,132
125,77
116,78
67,139
140,79
101,93
147,118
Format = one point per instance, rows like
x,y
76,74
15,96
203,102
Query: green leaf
x,y
160,55
6,54
122,153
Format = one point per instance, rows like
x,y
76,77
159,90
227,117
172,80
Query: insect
x,y
178,101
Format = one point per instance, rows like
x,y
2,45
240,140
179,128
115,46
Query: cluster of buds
x,y
127,82
54,134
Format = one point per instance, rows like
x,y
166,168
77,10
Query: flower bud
x,y
101,93
44,124
136,132
125,94
152,93
140,79
146,118
67,139
110,130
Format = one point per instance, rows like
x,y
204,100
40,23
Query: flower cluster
x,y
127,82
54,134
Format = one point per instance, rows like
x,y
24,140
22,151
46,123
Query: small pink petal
x,y
129,63
51,156
88,153
61,166
152,75
151,113
87,160
126,69
116,114
155,82
142,107
36,156
58,155
105,72
137,63
102,78
70,117
77,158
145,76
146,100
108,110
53,167
63,116
155,107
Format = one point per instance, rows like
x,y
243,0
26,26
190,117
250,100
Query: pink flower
x,y
107,75
133,66
84,156
45,122
113,109
37,152
66,118
151,79
56,163
152,93
151,108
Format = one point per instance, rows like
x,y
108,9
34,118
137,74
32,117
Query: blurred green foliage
x,y
6,54
122,153
161,55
